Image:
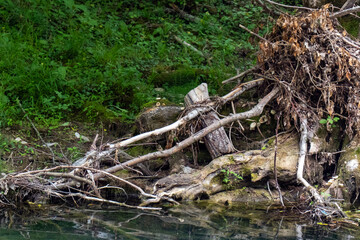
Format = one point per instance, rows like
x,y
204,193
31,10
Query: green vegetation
x,y
101,60
329,120
230,177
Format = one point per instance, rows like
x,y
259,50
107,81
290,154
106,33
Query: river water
x,y
184,222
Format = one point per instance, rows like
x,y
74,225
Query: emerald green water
x,y
185,222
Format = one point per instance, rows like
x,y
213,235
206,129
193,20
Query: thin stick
x,y
110,201
186,44
275,154
37,132
239,75
255,34
65,175
289,6
270,11
185,14
348,4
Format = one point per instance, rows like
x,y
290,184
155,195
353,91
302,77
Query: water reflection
x,y
184,222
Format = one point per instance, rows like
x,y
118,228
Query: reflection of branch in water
x,y
114,228
131,219
299,235
278,229
23,235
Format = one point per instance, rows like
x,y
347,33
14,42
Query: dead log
x,y
217,142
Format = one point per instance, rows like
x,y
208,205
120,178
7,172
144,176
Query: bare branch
x,y
242,88
345,12
65,175
110,201
239,75
255,34
288,6
186,44
348,4
185,15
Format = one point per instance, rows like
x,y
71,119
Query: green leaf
x,y
336,119
323,121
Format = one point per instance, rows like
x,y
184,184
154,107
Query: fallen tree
x,y
306,65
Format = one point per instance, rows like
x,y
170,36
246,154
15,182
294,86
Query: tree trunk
x,y
217,142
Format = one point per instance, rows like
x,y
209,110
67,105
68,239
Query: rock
x,y
81,137
19,140
348,168
157,117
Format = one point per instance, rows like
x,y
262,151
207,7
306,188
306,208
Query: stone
x,y
157,117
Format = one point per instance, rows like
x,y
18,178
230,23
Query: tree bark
x,y
348,4
217,142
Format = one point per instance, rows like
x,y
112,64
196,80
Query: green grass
x,y
100,60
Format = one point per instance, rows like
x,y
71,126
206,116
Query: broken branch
x,y
289,6
186,44
239,75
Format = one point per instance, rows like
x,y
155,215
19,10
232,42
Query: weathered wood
x,y
217,142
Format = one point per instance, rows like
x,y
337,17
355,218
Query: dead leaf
x,y
348,75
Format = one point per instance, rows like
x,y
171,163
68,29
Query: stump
x,y
217,142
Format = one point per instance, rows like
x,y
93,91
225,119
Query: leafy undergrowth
x,y
22,148
103,60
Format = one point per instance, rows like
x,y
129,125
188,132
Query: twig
x,y
37,132
110,201
268,10
288,6
185,15
234,112
255,34
239,75
186,44
269,190
275,154
65,175
348,4
188,16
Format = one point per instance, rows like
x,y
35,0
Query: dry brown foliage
x,y
316,65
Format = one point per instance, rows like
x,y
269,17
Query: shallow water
x,y
185,222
